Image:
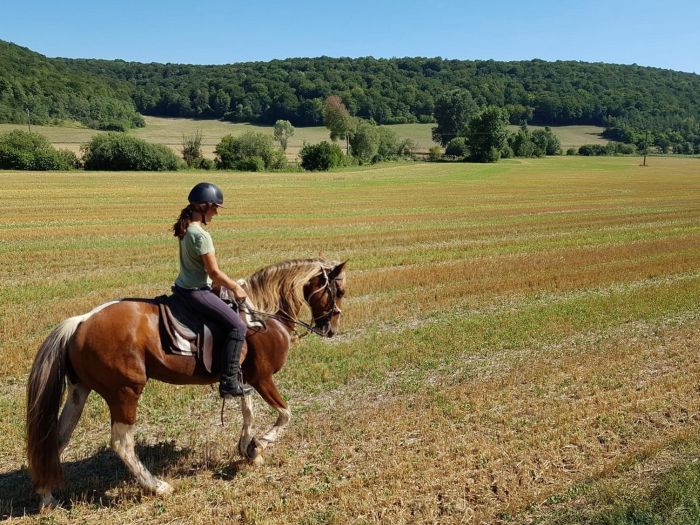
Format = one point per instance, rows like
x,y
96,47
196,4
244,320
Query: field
x,y
519,345
169,131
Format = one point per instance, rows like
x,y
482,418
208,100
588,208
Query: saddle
x,y
185,332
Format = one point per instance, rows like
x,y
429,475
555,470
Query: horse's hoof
x,y
254,453
258,461
163,488
47,503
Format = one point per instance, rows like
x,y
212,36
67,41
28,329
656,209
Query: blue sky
x,y
649,33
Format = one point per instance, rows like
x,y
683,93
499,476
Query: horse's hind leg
x,y
123,411
72,409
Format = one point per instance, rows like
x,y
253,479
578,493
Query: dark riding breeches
x,y
207,303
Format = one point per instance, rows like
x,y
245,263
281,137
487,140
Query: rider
x,y
199,271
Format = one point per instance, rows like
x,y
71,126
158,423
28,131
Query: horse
x,y
116,348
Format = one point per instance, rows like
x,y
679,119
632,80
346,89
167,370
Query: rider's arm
x,y
219,278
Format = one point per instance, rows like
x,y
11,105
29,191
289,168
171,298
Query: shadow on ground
x,y
101,479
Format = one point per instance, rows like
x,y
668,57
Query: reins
x,y
310,327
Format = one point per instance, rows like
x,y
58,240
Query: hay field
x,y
169,131
517,337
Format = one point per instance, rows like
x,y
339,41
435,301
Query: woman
x,y
199,271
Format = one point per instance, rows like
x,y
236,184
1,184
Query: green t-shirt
x,y
193,245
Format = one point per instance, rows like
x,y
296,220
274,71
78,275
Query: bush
x,y
252,163
592,150
321,157
364,142
435,153
192,148
23,150
118,152
457,147
236,152
507,152
572,151
203,164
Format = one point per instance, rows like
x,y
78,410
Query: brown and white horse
x,y
116,348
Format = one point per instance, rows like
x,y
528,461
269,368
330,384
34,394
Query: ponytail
x,y
183,221
185,218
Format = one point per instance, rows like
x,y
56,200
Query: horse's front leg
x,y
248,446
268,391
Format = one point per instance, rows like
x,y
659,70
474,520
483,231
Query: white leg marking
x,y
72,409
273,434
247,429
123,444
46,499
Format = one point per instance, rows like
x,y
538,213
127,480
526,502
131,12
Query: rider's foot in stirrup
x,y
230,388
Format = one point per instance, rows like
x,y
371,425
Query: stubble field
x,y
519,345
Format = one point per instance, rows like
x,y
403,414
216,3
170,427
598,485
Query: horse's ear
x,y
335,272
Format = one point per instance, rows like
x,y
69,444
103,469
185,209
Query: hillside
x,y
53,91
393,91
629,100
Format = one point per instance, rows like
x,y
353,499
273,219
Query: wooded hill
x,y
53,90
398,90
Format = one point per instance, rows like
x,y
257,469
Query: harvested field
x,y
516,337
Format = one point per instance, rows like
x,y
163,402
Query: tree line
x,y
629,100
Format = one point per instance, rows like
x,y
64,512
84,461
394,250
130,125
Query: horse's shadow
x,y
102,479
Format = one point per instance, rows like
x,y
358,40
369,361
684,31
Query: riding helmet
x,y
206,192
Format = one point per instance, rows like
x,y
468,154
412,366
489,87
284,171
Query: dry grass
x,y
512,332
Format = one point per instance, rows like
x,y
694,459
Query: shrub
x,y
571,151
236,152
364,142
252,163
590,150
118,152
435,153
321,157
23,150
192,148
507,152
203,164
457,147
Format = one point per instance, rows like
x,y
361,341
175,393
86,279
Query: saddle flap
x,y
183,331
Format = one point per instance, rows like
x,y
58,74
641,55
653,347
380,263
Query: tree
x,y
282,131
453,110
487,134
364,142
338,120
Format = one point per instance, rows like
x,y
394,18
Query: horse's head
x,y
324,294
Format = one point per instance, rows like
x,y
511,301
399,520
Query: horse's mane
x,y
281,286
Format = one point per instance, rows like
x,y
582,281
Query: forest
x,y
634,102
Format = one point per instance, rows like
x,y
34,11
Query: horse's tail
x,y
44,393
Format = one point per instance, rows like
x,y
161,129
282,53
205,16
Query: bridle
x,y
332,290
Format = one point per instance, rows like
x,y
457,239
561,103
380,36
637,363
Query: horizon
x,y
351,58
650,35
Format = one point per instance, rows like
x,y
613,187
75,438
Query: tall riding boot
x,y
231,379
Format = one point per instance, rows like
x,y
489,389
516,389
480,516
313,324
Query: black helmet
x,y
206,192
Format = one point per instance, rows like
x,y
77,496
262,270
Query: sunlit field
x,y
170,131
520,340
